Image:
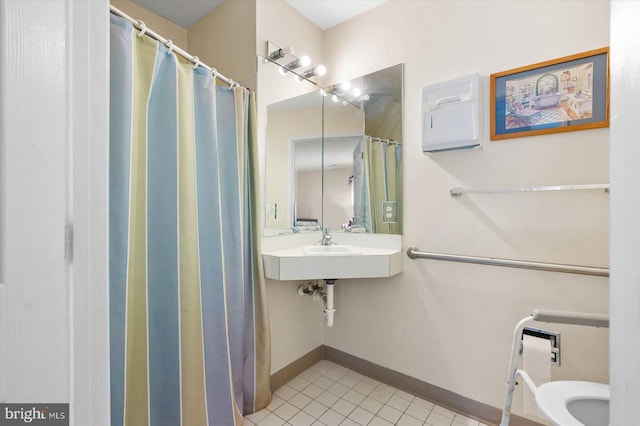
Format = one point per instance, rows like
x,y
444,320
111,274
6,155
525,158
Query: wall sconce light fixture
x,y
288,62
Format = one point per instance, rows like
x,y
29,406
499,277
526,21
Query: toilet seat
x,y
552,399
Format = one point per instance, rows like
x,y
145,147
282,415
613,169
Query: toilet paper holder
x,y
552,336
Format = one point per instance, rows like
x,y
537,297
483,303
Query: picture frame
x,y
560,95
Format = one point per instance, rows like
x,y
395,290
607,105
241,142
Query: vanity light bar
x,y
312,72
305,61
276,53
342,91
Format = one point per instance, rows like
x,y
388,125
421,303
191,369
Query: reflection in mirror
x,y
293,118
321,170
343,128
294,163
376,168
338,193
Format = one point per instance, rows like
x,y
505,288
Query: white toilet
x,y
574,403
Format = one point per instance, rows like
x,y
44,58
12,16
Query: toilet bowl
x,y
574,403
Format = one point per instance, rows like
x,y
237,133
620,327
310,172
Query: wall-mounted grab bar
x,y
456,192
415,253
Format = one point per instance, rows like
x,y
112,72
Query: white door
x,y
625,214
53,198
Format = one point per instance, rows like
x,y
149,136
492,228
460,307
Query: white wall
x,y
159,24
296,322
625,209
451,324
225,39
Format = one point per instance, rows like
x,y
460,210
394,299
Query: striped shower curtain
x,y
381,186
189,333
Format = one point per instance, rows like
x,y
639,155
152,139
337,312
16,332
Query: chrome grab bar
x,y
415,253
456,192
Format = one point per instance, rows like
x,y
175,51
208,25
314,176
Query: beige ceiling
x,y
323,13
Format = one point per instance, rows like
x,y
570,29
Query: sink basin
x,y
330,250
574,403
334,261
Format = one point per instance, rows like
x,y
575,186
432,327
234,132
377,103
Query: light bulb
x,y
321,70
357,92
365,98
334,98
345,85
305,61
323,92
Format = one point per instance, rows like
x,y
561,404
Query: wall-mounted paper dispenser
x,y
451,115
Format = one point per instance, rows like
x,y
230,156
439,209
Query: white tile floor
x,y
328,394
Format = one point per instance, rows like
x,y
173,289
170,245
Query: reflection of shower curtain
x,y
189,334
381,194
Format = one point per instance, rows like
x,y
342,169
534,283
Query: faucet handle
x,y
326,237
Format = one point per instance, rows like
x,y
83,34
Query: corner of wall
x,y
225,39
157,23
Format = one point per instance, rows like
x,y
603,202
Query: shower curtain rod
x,y
376,139
172,48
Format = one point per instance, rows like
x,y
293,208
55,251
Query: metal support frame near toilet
x,y
558,317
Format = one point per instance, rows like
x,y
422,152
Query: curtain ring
x,y
170,46
143,29
232,84
196,62
214,73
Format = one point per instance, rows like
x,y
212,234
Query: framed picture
x,y
561,95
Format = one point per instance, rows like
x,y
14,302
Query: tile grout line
x,y
331,374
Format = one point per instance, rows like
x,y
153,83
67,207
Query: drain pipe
x,y
310,289
329,311
325,296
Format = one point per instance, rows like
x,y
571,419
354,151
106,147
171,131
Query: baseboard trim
x,y
287,373
443,397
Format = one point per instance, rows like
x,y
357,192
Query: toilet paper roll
x,y
536,362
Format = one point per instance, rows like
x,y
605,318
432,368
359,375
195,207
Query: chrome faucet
x,y
355,228
288,230
326,237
